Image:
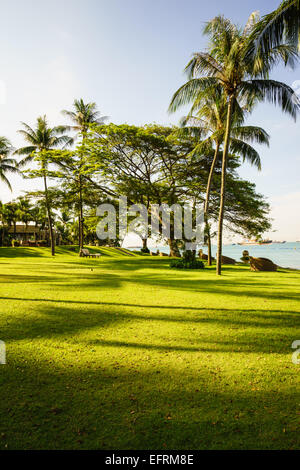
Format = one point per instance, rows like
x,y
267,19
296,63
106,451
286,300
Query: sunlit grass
x,y
122,352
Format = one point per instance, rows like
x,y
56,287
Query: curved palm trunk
x,y
49,217
206,206
223,184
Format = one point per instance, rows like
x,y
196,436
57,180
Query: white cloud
x,y
285,212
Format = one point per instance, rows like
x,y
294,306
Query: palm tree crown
x,y
243,78
83,115
206,120
42,138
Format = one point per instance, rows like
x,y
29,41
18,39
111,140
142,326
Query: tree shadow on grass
x,y
227,286
255,331
25,278
266,314
23,252
97,406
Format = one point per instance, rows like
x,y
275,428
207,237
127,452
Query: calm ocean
x,y
286,255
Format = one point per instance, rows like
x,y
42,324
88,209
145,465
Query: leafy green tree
x,y
141,163
42,139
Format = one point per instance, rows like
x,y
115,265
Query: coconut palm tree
x,y
82,116
7,164
10,215
209,122
39,216
242,78
42,139
24,211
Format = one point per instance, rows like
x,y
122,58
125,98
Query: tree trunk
x,y
144,240
52,242
80,218
206,206
223,184
174,251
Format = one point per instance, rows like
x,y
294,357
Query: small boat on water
x,y
256,242
275,241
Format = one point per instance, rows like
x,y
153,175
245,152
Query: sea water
x,y
286,255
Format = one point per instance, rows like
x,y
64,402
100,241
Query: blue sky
x,y
129,57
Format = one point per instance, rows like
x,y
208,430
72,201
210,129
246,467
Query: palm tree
x,y
24,211
209,122
10,215
39,215
243,80
7,164
82,116
42,139
3,222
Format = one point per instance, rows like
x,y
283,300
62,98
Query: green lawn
x,y
125,353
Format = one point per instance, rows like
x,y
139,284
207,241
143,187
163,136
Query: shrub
x,y
188,261
140,252
42,243
15,243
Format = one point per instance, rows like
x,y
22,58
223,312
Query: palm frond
x,y
189,92
203,63
247,152
274,92
25,150
251,134
5,180
279,26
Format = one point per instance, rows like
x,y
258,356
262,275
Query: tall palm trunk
x,y
52,242
2,234
15,229
206,206
223,183
80,218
